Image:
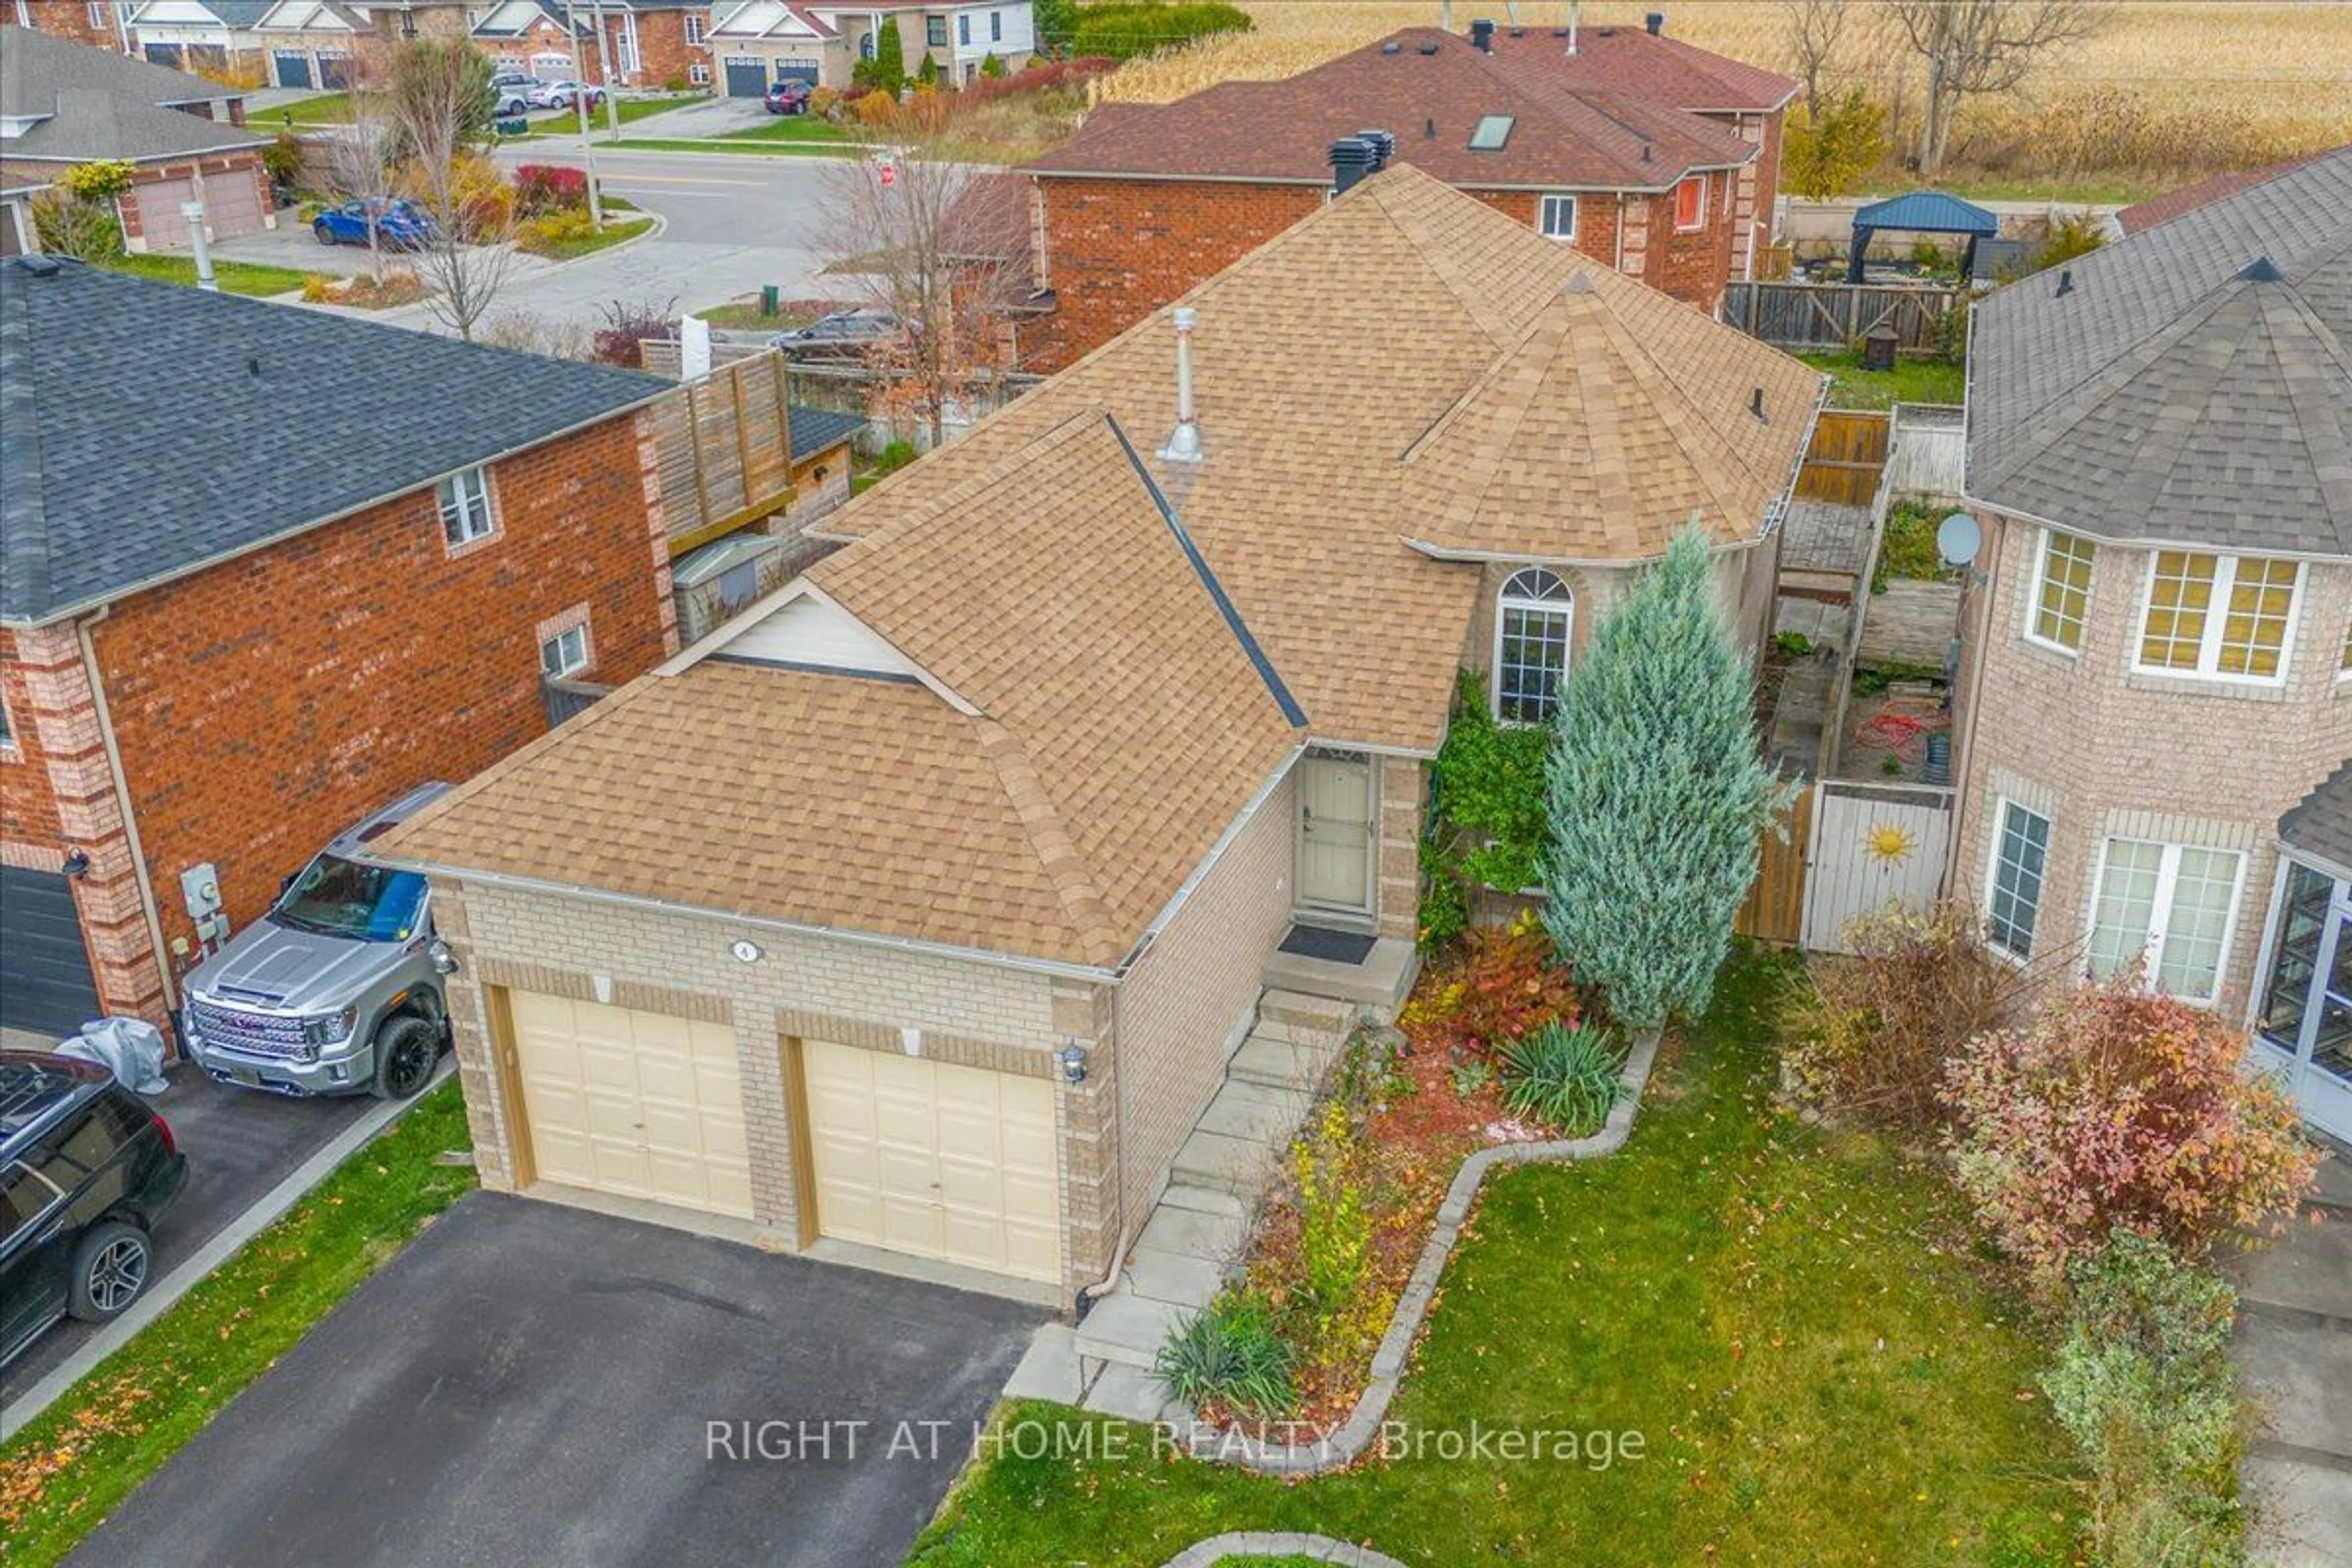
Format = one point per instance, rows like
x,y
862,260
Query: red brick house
x,y
1596,150
242,609
646,43
99,24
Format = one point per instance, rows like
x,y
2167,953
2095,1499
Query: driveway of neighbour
x,y
533,1384
239,1143
2293,1351
291,244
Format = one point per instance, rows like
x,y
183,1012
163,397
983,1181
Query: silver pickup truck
x,y
338,989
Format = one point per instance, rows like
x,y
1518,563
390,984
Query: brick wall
x,y
2103,752
663,57
1194,993
64,19
215,172
268,702
1692,265
29,811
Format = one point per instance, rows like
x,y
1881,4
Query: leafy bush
x,y
991,69
627,327
1503,984
541,188
824,103
1829,157
1876,1034
100,180
877,108
1037,79
69,226
282,159
1228,1353
1655,795
1488,825
1335,1231
549,234
1565,1075
2121,1109
1126,29
894,456
2075,234
2143,1384
888,70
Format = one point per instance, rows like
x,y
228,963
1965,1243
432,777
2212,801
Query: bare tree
x,y
1814,27
939,243
436,99
1976,47
361,163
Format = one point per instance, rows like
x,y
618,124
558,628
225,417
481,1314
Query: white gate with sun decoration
x,y
1873,846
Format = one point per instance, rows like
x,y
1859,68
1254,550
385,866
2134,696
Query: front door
x,y
2305,1020
1334,833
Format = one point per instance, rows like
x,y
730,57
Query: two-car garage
x,y
932,1159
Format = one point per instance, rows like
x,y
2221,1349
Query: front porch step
x,y
1127,1330
1049,1367
1130,1393
1377,986
1237,1165
1316,1011
1279,1065
1175,1277
1254,1111
1204,1200
1194,1233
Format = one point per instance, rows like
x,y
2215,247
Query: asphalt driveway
x,y
533,1384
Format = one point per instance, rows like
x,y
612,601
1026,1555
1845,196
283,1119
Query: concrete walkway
x,y
2293,1351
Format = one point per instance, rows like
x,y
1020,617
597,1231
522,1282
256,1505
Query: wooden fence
x,y
1775,910
725,446
1832,316
1847,458
1928,452
1874,846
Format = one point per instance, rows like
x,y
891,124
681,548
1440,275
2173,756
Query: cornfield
x,y
2165,90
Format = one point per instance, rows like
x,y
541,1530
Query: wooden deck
x,y
1911,623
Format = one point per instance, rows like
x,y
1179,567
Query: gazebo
x,y
1921,212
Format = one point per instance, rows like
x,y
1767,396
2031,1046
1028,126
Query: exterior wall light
x,y
1073,1064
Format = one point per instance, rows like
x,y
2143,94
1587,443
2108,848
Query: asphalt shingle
x,y
80,102
2321,823
147,430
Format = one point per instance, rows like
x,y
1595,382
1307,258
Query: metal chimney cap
x,y
1185,317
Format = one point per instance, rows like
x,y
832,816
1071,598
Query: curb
x,y
1279,1543
1355,1435
192,1269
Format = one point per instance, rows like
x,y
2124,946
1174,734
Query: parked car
x,y
790,95
566,95
86,1168
338,988
510,92
843,333
399,225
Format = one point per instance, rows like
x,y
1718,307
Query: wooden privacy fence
x,y
1775,910
1872,847
1927,454
1847,458
1836,315
725,446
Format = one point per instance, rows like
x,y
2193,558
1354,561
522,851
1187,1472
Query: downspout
x,y
123,801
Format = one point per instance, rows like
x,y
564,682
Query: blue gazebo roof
x,y
1927,212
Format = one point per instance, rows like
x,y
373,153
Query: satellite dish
x,y
1958,539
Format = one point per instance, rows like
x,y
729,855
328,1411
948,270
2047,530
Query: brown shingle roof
x,y
1432,93
1639,64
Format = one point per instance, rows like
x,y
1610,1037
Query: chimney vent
x,y
1482,36
2065,282
1391,48
1429,47
1656,22
1383,146
1756,404
1351,160
1184,442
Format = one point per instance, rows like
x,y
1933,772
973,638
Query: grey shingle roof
x,y
814,429
147,430
2191,384
2321,823
95,104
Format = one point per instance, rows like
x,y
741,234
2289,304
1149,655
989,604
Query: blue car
x,y
399,225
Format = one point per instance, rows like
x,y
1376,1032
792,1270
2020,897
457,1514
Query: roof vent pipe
x,y
1575,18
1482,36
1656,23
2065,281
1351,160
1383,146
1184,443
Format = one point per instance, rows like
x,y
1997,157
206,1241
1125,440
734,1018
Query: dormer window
x,y
1533,615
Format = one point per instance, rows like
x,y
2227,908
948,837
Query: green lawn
x,y
567,123
69,1469
233,276
1790,1322
326,108
1911,381
2110,192
801,128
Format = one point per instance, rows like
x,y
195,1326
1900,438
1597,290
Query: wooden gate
x,y
1847,455
1873,846
1775,910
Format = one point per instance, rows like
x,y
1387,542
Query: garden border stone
x,y
1279,1543
1344,1446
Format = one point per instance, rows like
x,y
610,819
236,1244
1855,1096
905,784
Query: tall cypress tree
x,y
1654,795
889,58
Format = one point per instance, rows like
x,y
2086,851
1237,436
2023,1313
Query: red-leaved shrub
x,y
2120,1108
1498,985
1053,73
541,188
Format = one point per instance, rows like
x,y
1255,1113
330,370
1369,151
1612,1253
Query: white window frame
x,y
1543,215
1506,601
2159,912
698,74
466,499
2002,806
996,27
2035,601
1700,221
2217,621
577,632
695,32
2343,655
963,29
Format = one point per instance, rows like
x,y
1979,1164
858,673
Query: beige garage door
x,y
233,203
160,222
640,1104
936,1159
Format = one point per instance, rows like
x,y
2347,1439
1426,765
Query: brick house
x,y
250,602
762,41
1094,708
97,23
2156,670
64,103
1148,200
647,43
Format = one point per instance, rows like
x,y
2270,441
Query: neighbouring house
x,y
312,43
284,43
17,189
920,908
718,580
250,596
64,103
646,43
2157,671
764,41
97,23
1600,149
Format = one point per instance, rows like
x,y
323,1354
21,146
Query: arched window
x,y
1532,618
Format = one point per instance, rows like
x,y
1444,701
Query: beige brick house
x,y
2158,645
920,908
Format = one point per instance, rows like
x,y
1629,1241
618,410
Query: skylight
x,y
1494,130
